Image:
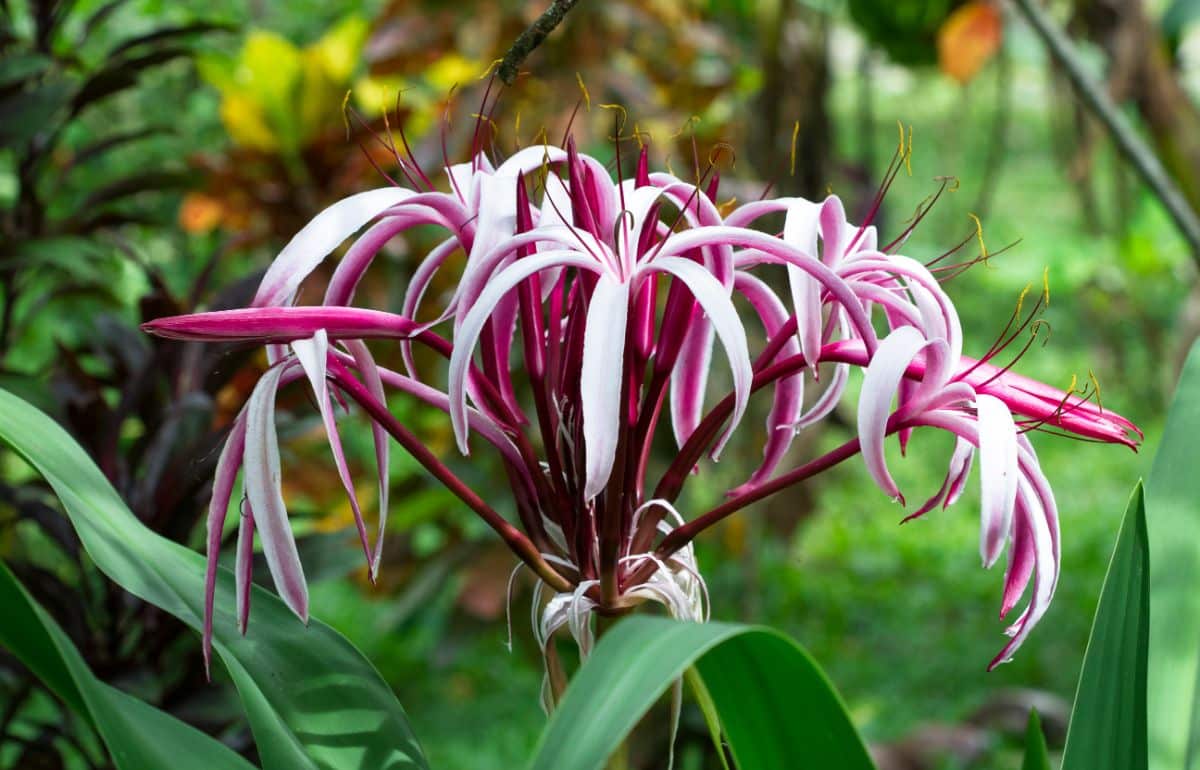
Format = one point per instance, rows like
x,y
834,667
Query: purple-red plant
x,y
614,294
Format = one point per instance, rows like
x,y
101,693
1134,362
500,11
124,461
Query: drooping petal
x,y
689,378
369,371
223,480
600,379
318,238
880,383
717,305
788,399
313,355
960,463
262,475
243,568
998,475
1045,570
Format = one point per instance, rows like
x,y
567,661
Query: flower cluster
x,y
584,320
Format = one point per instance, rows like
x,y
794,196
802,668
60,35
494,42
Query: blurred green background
x,y
154,156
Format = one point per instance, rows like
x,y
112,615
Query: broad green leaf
x,y
1173,522
776,706
1036,757
1108,721
138,736
314,702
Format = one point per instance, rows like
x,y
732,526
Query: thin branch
x,y
1127,140
532,38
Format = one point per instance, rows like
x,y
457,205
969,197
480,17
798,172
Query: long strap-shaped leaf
x,y
138,736
776,707
314,702
1173,518
1108,721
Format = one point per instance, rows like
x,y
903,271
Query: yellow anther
x,y
1096,385
621,125
687,125
491,68
714,154
908,153
346,113
1021,299
952,182
795,136
587,98
637,134
1046,285
983,252
492,123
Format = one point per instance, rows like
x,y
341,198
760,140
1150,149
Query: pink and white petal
x,y
689,378
228,464
960,459
243,568
714,299
368,370
830,397
788,398
800,230
1045,572
262,480
318,238
880,383
836,232
964,453
775,250
467,335
313,355
998,474
1020,562
600,380
530,159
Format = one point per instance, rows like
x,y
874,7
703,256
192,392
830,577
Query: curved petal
x,y
369,371
714,299
997,473
880,383
313,355
689,378
600,379
228,465
262,474
318,238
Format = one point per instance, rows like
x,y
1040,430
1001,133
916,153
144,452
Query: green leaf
x,y
1108,721
776,706
1173,520
138,736
1036,757
314,702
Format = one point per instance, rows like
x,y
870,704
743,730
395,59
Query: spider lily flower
x,y
611,294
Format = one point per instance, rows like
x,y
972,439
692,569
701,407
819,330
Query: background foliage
x,y
154,155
